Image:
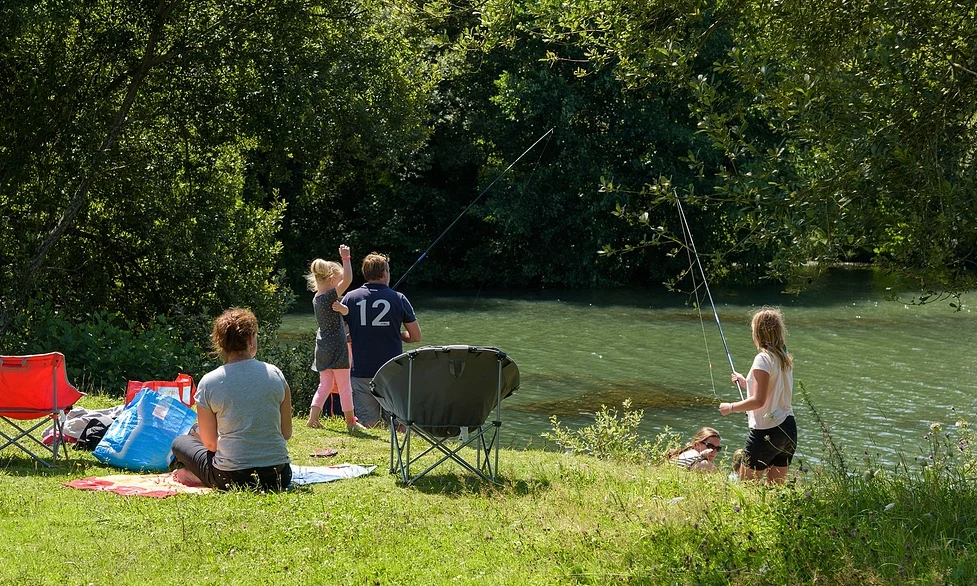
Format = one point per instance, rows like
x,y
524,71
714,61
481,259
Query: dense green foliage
x,y
838,130
107,350
171,159
152,144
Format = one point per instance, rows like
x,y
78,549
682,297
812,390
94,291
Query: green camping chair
x,y
438,393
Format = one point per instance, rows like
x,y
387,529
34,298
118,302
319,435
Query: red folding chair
x,y
32,388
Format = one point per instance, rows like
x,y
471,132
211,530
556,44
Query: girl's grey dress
x,y
330,339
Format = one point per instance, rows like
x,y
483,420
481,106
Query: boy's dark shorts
x,y
772,447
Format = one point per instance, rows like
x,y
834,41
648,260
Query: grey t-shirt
x,y
246,396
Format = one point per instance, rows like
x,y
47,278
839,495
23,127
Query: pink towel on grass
x,y
178,482
154,485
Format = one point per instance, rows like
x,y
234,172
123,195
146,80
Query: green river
x,y
878,371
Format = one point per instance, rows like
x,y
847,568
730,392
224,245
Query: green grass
x,y
554,519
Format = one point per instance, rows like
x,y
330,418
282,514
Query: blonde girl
x,y
700,453
772,440
329,280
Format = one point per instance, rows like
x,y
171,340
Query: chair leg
x,y
22,438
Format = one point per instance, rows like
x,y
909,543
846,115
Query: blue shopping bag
x,y
140,437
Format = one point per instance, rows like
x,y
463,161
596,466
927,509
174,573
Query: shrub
x,y
293,355
613,436
105,351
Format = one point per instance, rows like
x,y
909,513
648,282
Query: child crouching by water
x,y
699,453
738,456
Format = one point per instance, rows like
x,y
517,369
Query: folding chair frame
x,y
16,438
37,417
485,440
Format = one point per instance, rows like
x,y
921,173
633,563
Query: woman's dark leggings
x,y
190,452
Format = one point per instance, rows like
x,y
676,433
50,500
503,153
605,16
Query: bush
x,y
105,351
293,355
611,437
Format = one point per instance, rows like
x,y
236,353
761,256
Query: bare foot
x,y
355,426
314,424
184,476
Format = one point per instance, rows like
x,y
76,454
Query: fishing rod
x,y
688,234
484,191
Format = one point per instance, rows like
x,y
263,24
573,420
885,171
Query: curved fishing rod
x,y
705,283
484,191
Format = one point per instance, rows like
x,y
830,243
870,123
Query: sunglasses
x,y
714,447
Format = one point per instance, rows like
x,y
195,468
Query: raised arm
x,y
347,271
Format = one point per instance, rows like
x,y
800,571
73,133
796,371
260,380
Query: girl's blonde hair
x,y
770,335
702,435
322,270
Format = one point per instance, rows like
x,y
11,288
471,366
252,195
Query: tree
x,y
843,130
139,130
544,221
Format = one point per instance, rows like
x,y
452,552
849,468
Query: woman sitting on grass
x,y
244,412
699,453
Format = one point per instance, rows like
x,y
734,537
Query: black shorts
x,y
771,447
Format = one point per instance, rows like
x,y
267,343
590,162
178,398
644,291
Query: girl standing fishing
x,y
772,439
329,280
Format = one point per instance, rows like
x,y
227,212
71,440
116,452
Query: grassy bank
x,y
555,519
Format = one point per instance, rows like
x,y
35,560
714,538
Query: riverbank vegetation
x,y
167,160
555,518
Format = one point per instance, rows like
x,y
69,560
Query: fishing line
x,y
508,222
705,282
698,307
484,191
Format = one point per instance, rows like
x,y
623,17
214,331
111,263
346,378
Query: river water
x,y
877,371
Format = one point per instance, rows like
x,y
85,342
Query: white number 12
x,y
378,321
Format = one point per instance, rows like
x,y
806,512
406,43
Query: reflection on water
x,y
878,372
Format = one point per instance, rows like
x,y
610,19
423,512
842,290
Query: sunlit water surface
x,y
878,371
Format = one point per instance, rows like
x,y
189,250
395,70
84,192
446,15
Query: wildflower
x,y
935,426
961,423
736,508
